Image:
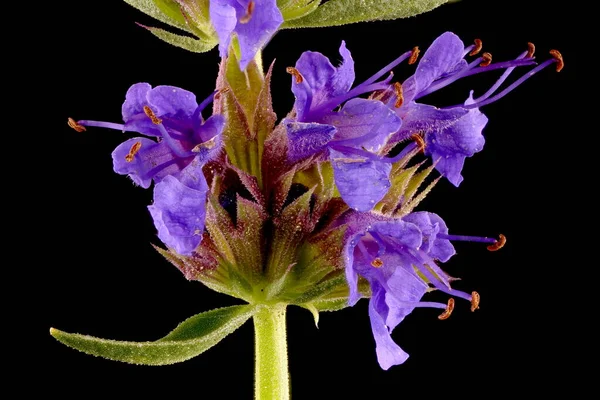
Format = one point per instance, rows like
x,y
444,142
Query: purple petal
x,y
344,76
403,287
450,135
212,127
254,34
388,352
179,209
362,184
223,16
145,164
322,81
431,225
172,102
404,233
443,57
306,139
133,110
135,100
369,122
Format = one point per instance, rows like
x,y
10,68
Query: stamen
x,y
560,63
499,244
155,120
419,140
448,311
500,81
73,124
509,88
414,55
246,18
478,47
377,263
487,59
293,71
133,151
399,96
387,68
530,50
464,238
475,301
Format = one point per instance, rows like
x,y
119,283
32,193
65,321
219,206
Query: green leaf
x,y
298,8
342,12
185,42
189,339
171,9
151,8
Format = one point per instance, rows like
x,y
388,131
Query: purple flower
x,y
181,143
398,257
350,137
359,132
452,133
253,21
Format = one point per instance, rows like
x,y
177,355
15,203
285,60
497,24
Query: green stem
x,y
271,379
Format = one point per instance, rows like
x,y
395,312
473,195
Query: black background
x,y
99,275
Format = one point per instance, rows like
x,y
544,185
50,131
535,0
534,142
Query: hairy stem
x,y
271,379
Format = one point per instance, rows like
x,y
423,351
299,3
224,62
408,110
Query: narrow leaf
x,y
149,7
185,42
191,338
341,12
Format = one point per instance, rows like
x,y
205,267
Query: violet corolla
x,y
356,131
253,22
178,144
399,258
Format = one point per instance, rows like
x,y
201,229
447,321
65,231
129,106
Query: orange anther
x,y
293,71
414,55
399,95
477,48
475,298
148,111
133,151
530,50
73,124
448,311
560,63
377,263
487,59
499,244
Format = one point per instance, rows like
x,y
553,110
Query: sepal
x,y
404,195
245,100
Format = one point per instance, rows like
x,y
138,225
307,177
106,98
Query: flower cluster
x,y
317,210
